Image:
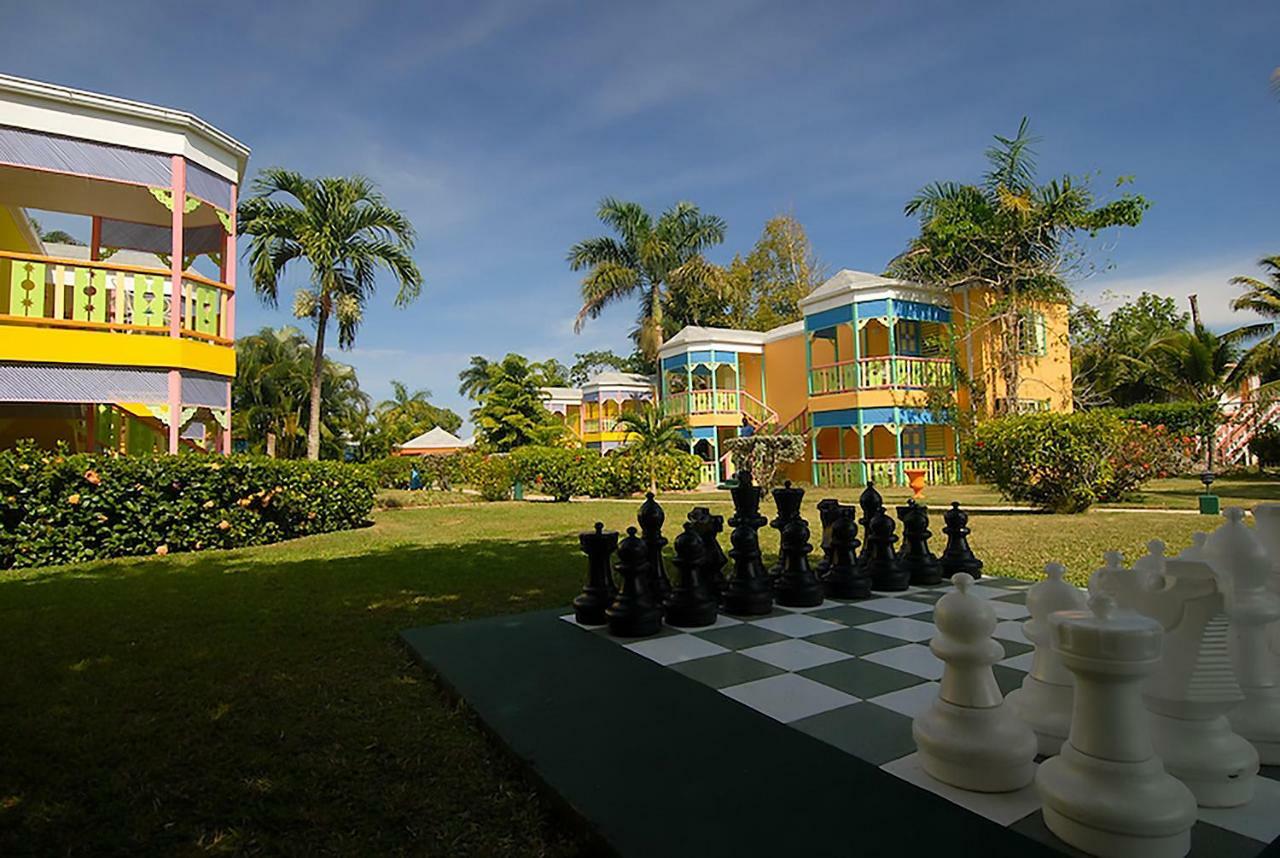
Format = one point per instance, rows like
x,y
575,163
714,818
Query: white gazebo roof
x,y
846,286
435,439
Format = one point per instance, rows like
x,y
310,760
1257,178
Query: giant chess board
x,y
854,674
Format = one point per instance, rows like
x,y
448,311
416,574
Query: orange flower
x,y
224,524
91,476
73,500
162,550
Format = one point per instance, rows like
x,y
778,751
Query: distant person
x,y
415,479
746,430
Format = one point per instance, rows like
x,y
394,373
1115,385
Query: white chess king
x,y
969,738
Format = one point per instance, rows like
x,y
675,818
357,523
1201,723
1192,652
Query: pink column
x,y
226,433
179,189
229,271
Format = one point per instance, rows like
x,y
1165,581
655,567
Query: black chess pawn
x,y
915,558
747,592
871,503
692,603
845,579
709,528
650,518
958,556
828,512
881,559
796,586
634,612
589,605
787,499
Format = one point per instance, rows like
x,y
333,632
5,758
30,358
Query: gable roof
x,y
434,439
847,280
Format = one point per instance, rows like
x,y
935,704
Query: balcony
x,y
729,402
49,292
888,371
852,473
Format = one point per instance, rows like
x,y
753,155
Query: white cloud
x,y
1206,278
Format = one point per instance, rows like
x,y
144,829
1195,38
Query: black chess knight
x,y
747,592
634,612
916,559
958,556
590,605
692,603
881,559
650,518
845,579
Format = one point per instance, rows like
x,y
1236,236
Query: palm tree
x,y
652,434
646,256
477,378
346,231
402,401
1261,296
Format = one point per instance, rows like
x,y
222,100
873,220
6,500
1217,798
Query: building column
x,y
91,428
179,190
808,361
226,432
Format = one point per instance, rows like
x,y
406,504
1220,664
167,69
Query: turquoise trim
x,y
725,357
873,309
884,416
839,417
674,361
921,312
704,433
828,318
701,357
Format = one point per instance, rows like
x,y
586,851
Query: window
x,y
1032,337
913,442
908,337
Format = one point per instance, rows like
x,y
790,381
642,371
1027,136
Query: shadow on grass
x,y
244,702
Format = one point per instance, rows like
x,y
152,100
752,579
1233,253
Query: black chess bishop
x,y
844,578
958,556
634,613
915,559
650,518
692,602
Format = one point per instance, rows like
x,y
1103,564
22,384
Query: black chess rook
x,y
590,605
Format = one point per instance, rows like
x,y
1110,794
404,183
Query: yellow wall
x,y
11,238
100,348
786,376
875,339
749,374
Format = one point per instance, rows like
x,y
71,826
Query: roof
x,y
846,280
694,334
561,392
619,379
435,439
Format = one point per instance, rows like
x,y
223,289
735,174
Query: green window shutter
x,y
1041,333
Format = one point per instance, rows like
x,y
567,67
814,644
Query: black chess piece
x,y
692,602
650,518
845,579
714,560
871,503
796,586
881,558
828,512
589,605
958,556
748,592
915,558
634,612
787,499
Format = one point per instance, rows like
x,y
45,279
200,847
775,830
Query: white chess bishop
x,y
1194,686
969,738
1044,700
1253,607
1107,792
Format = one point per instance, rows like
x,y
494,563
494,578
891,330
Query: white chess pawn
x,y
1195,551
1253,607
1194,687
1114,580
1266,524
1044,700
1150,566
969,739
1107,793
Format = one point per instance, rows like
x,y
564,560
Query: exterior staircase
x,y
1245,418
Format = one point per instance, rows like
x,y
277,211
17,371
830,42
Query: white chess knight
x,y
1044,700
969,738
1246,574
1194,686
1107,792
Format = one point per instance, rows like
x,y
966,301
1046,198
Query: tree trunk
x,y
1012,360
317,374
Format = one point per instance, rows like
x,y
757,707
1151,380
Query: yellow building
x,y
868,377
127,343
591,412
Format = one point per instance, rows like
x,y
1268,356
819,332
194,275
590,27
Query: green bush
x,y
492,476
557,471
1266,447
765,455
1067,462
676,472
563,473
56,508
1196,419
391,472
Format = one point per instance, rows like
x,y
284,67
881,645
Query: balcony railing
x,y
846,473
597,425
45,291
710,473
879,372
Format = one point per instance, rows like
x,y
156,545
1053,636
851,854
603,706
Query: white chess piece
x,y
1194,687
1124,586
1266,524
1253,607
1044,700
969,739
1107,793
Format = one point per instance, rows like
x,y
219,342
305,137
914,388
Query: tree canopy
x,y
1106,350
588,364
510,412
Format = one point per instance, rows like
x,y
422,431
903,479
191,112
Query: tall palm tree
x,y
1261,296
402,400
345,231
644,256
651,434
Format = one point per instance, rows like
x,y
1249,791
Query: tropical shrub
x,y
493,477
1266,447
765,455
391,472
675,472
557,471
1196,419
564,473
1067,462
57,508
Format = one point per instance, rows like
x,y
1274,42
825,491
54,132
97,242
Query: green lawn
x,y
257,701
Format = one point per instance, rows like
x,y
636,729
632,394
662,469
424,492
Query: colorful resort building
x,y
872,377
126,343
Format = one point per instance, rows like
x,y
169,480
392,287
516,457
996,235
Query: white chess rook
x,y
1195,686
1107,793
1253,607
969,738
1044,700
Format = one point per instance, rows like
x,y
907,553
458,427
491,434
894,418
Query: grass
x,y
257,702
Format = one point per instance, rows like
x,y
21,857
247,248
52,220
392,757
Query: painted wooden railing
x,y
886,371
710,473
717,402
798,425
595,425
46,291
756,411
939,470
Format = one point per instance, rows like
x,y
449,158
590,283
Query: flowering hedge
x,y
562,473
1067,462
57,508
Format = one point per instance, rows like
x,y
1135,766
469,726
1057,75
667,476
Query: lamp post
x,y
1208,500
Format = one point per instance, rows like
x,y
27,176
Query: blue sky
x,y
498,126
